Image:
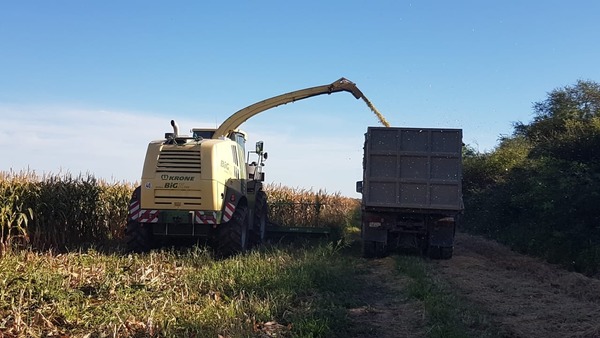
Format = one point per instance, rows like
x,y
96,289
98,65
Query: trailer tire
x,y
232,237
138,237
261,212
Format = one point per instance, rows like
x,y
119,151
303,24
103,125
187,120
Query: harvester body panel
x,y
191,176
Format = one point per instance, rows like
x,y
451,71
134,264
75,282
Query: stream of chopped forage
x,y
381,118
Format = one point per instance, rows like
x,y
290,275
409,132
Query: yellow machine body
x,y
192,175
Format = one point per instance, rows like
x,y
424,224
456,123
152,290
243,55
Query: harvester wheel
x,y
232,237
138,237
261,212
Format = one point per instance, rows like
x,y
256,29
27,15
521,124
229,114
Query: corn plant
x,y
14,215
301,207
67,211
61,210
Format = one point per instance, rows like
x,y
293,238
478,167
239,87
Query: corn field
x,y
60,211
301,207
66,211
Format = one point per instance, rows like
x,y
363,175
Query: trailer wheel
x,y
138,237
232,237
259,229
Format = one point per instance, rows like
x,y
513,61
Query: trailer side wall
x,y
413,168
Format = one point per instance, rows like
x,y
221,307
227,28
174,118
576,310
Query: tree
x,y
566,124
539,189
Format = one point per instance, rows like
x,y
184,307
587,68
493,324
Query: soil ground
x,y
388,312
522,296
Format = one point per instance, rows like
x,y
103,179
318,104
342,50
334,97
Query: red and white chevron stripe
x,y
205,217
148,216
200,217
228,211
134,208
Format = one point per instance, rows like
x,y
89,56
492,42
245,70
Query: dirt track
x,y
389,313
522,296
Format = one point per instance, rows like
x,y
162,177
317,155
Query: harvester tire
x,y
261,212
138,237
232,237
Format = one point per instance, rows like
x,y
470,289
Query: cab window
x,y
239,139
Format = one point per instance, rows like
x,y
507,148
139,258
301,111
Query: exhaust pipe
x,y
175,128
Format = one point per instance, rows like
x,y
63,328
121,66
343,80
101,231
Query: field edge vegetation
x,y
68,212
538,191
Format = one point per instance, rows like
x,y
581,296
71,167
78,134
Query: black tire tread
x,y
230,235
138,237
260,210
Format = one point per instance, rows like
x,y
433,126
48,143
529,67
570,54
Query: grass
x,y
303,289
284,292
447,314
277,291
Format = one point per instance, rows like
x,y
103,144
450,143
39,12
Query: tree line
x,y
539,190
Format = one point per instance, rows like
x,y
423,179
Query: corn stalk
x,y
14,217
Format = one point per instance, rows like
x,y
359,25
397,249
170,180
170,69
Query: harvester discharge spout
x,y
242,115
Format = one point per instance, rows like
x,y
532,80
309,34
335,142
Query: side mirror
x,y
259,147
265,156
359,187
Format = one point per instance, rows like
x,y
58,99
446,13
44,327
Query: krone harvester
x,y
207,185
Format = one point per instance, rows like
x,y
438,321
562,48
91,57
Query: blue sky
x,y
84,86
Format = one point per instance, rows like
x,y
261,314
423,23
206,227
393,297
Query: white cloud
x,y
112,144
298,159
107,144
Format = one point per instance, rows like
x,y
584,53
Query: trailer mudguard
x,y
374,234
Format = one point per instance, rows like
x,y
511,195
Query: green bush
x,y
539,190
